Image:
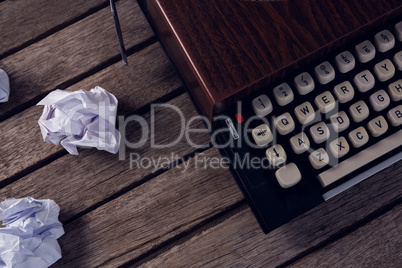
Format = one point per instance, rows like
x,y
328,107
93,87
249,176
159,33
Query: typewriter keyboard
x,y
331,120
321,130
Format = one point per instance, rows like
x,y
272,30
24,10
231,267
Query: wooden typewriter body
x,y
226,49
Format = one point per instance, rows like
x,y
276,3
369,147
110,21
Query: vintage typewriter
x,y
306,95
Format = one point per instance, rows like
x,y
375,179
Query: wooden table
x,y
116,213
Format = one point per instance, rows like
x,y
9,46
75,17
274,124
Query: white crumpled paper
x,y
80,118
4,86
29,239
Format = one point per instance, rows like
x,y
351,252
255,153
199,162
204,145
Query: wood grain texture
x,y
165,206
237,241
376,244
66,56
23,21
150,77
94,175
225,48
117,215
154,212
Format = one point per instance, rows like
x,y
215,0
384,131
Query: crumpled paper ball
x,y
29,239
4,86
80,118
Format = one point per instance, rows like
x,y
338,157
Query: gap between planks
x,y
376,243
153,79
21,18
239,241
242,206
67,55
174,202
90,172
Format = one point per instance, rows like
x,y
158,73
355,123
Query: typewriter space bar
x,y
360,159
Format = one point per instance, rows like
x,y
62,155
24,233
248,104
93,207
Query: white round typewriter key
x,y
345,62
339,147
344,92
384,70
284,124
304,83
276,155
262,105
377,126
325,102
305,113
398,30
262,135
319,158
398,60
395,90
324,72
283,94
379,100
288,176
359,111
300,143
384,40
358,137
319,132
364,81
339,121
395,116
365,51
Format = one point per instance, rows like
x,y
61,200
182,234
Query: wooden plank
x,y
149,215
23,22
376,244
149,77
95,176
144,218
70,54
176,201
237,241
